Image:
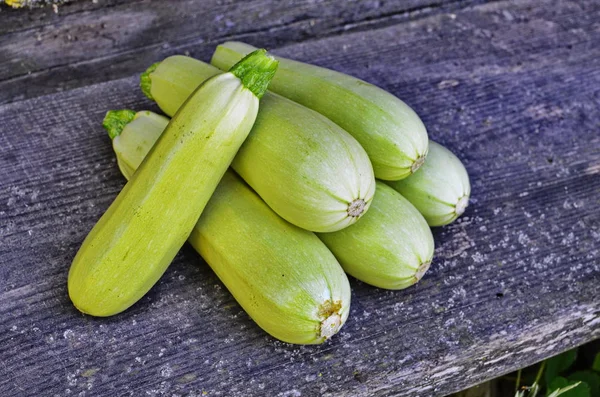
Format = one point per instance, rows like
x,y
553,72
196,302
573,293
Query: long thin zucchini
x,y
391,247
283,276
440,189
389,130
305,167
136,239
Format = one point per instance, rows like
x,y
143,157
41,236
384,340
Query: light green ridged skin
x,y
440,189
390,131
391,247
305,167
138,236
283,276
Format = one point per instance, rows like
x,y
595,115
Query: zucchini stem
x,y
255,71
146,81
116,120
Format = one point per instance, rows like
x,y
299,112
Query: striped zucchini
x,y
441,188
283,276
389,130
137,237
391,247
305,167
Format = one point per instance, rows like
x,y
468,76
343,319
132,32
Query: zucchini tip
x,y
356,208
330,326
417,164
461,205
332,322
421,270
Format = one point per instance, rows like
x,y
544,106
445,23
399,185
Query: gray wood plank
x,y
512,88
22,19
86,46
32,3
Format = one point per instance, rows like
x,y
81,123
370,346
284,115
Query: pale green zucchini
x,y
283,276
440,189
391,247
137,237
389,130
305,167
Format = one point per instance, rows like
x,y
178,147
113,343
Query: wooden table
x,y
512,87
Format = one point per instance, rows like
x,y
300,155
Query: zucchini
x,y
440,189
305,167
389,130
283,276
136,239
391,247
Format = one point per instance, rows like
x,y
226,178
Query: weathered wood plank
x,y
512,88
121,39
16,20
32,3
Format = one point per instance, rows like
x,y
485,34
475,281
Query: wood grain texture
x,y
513,88
14,20
85,44
19,4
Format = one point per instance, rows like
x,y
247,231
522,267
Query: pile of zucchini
x,y
328,175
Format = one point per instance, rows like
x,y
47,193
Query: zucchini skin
x,y
136,239
283,276
131,149
440,189
391,247
305,167
392,134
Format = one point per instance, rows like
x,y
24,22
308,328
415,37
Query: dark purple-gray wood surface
x,y
34,3
88,42
513,88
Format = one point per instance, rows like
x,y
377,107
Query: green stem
x,y
146,82
255,71
116,120
540,372
535,388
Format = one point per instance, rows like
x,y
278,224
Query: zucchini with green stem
x,y
305,167
283,276
136,239
389,130
440,189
